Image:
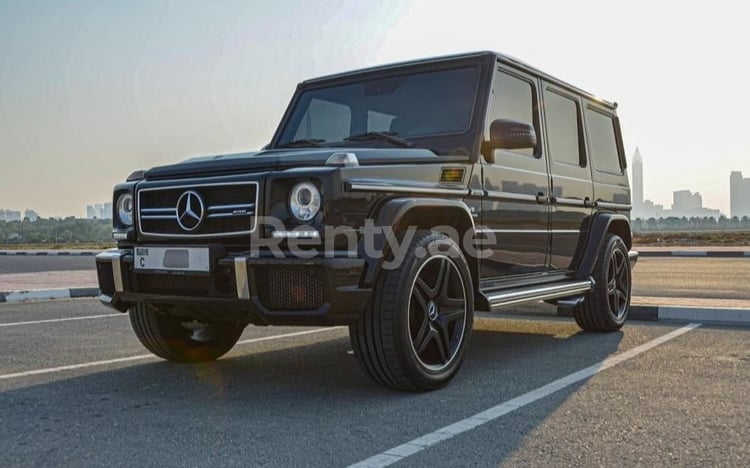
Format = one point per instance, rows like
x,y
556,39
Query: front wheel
x,y
413,334
181,340
606,307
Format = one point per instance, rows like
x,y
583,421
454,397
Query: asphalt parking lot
x,y
76,388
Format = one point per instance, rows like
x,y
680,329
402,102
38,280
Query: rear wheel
x,y
606,307
414,333
179,339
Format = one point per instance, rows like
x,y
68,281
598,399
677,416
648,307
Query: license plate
x,y
173,259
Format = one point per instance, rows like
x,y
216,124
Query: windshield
x,y
413,105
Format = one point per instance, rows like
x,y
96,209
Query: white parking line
x,y
50,370
396,454
66,319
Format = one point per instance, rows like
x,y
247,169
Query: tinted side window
x,y
513,99
603,141
563,132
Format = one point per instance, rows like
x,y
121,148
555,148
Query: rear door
x,y
611,186
570,174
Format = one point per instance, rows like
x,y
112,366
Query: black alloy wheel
x,y
437,312
606,307
414,332
618,284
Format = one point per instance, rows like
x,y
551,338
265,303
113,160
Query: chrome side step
x,y
539,293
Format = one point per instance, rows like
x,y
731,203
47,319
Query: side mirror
x,y
508,134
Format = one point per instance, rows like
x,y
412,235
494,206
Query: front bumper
x,y
242,289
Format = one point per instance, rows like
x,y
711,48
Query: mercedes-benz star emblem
x,y
190,210
432,311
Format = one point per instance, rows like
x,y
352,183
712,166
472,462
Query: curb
x,y
695,253
717,315
51,253
47,294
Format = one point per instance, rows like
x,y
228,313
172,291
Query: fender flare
x,y
595,236
394,214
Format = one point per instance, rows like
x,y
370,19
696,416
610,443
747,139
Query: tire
x,y
168,337
414,333
606,307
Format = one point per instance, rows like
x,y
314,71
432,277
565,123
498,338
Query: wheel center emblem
x,y
432,311
190,210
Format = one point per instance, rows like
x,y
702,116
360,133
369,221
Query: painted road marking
x,y
397,454
50,370
85,317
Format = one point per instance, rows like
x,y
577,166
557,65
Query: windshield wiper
x,y
301,143
390,137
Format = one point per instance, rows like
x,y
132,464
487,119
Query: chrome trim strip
x,y
240,278
530,231
612,206
508,196
117,273
565,231
193,236
159,210
355,187
543,293
159,216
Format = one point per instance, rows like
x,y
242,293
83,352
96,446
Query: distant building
x,y
637,181
688,204
739,195
650,210
31,215
99,211
642,208
10,215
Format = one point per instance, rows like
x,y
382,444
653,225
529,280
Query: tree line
x,y
674,223
55,231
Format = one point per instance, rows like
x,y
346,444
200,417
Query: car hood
x,y
271,160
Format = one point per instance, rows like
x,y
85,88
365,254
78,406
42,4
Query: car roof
x,y
504,58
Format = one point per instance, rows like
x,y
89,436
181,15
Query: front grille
x,y
214,210
106,278
290,287
219,285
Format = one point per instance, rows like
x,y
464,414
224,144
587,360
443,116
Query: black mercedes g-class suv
x,y
396,200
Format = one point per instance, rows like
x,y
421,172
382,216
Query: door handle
x,y
542,199
587,203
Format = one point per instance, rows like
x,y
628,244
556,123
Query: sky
x,y
92,90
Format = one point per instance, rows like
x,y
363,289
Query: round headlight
x,y
125,209
304,201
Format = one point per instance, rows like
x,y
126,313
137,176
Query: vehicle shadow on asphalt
x,y
312,394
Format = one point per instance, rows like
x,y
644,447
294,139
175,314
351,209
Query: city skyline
x,y
92,91
685,202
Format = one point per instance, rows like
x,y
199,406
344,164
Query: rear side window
x,y
514,100
603,139
563,129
